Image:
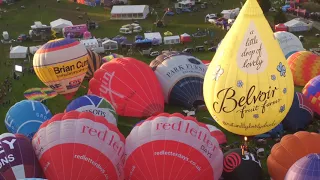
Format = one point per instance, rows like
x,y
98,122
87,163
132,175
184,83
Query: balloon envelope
x,y
130,86
61,64
248,88
305,168
217,133
94,63
96,105
172,147
291,148
239,167
18,159
312,91
26,116
304,66
93,147
289,43
300,114
181,78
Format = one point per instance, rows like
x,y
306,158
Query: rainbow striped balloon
x,y
61,64
304,65
312,92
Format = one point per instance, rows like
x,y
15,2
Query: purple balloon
x,y
17,158
305,168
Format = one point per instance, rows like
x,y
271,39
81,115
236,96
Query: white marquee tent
x,y
59,24
18,52
296,25
126,12
154,35
171,40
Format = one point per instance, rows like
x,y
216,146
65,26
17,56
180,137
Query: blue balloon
x,y
25,117
275,132
290,53
96,105
300,114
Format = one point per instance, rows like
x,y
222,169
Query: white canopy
x,y
296,25
18,52
130,12
59,24
153,35
185,35
33,49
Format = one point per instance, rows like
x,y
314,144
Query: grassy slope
x,y
19,21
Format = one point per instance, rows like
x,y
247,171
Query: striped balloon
x,y
312,91
62,64
304,65
94,63
306,168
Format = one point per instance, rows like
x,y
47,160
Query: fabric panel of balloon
x,y
26,116
96,105
92,146
172,147
94,63
289,43
62,64
130,86
181,77
18,159
248,88
291,148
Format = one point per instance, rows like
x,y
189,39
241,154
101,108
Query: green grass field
x,y
17,21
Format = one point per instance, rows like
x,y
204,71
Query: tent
x,y
280,27
33,49
296,25
110,45
171,40
59,24
18,52
184,38
90,43
129,12
153,35
230,14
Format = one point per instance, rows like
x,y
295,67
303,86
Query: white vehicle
x,y
212,21
154,53
137,29
125,31
211,16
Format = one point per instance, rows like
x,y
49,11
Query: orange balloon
x,y
291,148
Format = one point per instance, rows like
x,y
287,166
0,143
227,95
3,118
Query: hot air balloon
x,y
130,86
206,62
96,105
61,64
304,66
312,91
172,147
291,148
94,63
238,166
276,132
181,78
300,114
79,145
110,57
217,133
25,117
18,160
289,43
248,88
305,168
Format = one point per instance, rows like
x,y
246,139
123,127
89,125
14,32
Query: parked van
x,y
125,31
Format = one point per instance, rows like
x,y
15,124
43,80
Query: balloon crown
x,y
252,8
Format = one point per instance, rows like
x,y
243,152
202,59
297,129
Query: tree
x,y
265,5
279,17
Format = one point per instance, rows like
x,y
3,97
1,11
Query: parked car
x,y
200,49
212,49
154,53
188,50
211,16
125,31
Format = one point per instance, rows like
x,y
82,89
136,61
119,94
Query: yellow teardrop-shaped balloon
x,y
248,87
